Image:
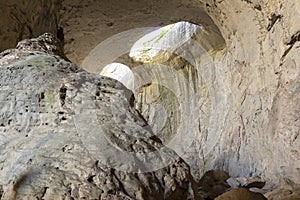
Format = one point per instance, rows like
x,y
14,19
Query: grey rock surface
x,y
249,100
43,152
249,108
245,182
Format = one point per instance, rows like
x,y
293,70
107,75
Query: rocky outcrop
x,y
45,43
50,148
212,184
284,194
252,182
250,94
241,193
23,19
249,100
215,184
121,73
259,76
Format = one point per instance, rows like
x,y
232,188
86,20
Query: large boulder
x,y
241,193
50,145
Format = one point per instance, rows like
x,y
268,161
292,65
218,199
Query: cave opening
x,y
225,97
163,66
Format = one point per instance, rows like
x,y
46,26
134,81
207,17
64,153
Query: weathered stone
x,y
44,153
121,73
46,43
165,39
22,19
213,184
179,72
241,193
286,193
251,182
250,102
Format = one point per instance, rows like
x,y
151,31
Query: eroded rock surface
x,y
213,184
44,155
252,182
241,193
250,96
259,75
120,72
23,19
249,100
284,194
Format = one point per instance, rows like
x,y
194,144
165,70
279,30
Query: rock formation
x,y
22,19
47,153
247,99
121,73
240,193
250,123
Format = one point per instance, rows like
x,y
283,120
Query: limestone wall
x,y
259,74
251,126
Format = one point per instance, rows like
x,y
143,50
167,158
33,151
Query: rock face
x,y
166,77
213,184
249,124
121,73
96,21
179,68
248,99
22,19
46,155
253,182
167,38
241,193
284,194
258,74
